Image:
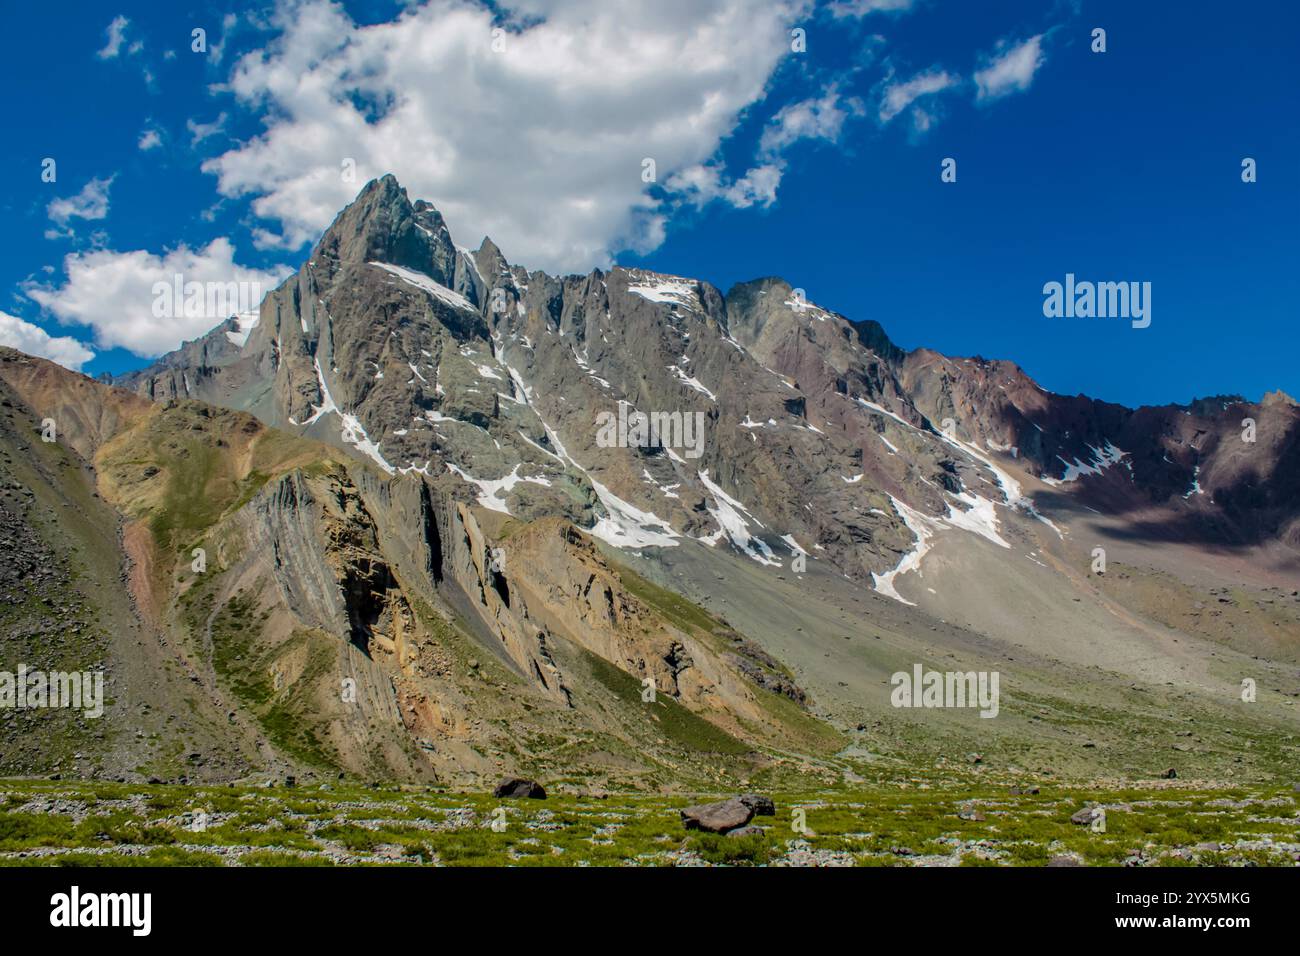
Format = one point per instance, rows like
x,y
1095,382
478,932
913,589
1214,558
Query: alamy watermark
x,y
74,908
1100,300
922,688
204,300
32,689
633,429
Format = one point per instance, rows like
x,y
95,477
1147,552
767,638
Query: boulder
x,y
746,831
1085,816
519,787
762,806
717,817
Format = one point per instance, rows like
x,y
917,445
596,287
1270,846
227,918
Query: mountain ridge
x,y
854,507
384,223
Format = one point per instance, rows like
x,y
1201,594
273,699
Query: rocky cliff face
x,y
330,615
790,468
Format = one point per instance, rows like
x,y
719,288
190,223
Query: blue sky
x,y
820,166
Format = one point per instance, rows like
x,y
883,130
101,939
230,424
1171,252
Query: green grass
x,y
246,666
887,822
684,614
724,850
674,721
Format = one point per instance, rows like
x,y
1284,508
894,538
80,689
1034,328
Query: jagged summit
x,y
847,504
816,435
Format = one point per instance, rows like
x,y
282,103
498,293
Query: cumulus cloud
x,y
1011,70
539,145
114,293
90,204
34,340
899,96
115,37
150,139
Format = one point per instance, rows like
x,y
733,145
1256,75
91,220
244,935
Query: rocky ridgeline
x,y
420,356
405,485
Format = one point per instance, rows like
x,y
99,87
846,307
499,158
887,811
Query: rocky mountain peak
x,y
809,431
382,225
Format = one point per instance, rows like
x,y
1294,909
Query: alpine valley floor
x,y
913,820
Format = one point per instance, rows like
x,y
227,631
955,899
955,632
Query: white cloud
x,y
856,9
539,146
91,204
756,187
113,293
818,118
1011,70
150,139
821,118
899,96
116,34
201,131
217,48
34,340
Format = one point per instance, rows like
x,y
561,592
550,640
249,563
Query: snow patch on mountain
x,y
352,432
692,382
978,518
921,526
435,289
1015,499
626,526
491,491
733,521
793,545
1102,458
673,290
623,525
246,322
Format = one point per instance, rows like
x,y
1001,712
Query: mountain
x,y
455,500
304,612
424,357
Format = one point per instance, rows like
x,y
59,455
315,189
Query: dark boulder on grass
x,y
717,817
518,787
762,806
